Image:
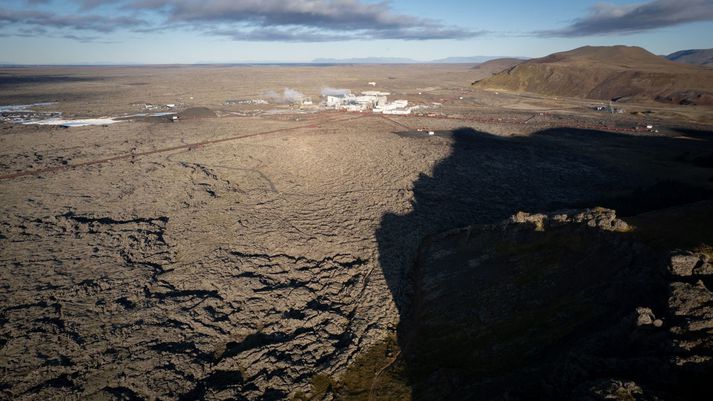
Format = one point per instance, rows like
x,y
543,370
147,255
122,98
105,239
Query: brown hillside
x,y
606,73
695,56
492,67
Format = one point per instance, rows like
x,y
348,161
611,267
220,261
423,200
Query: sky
x,y
234,31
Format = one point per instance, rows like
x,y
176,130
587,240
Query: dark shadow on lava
x,y
9,80
45,97
487,178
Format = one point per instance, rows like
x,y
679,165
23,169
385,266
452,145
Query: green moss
x,y
551,243
539,255
360,378
321,385
501,346
465,344
300,396
392,382
686,227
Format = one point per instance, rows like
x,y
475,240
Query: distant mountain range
x,y
607,72
694,56
362,60
395,60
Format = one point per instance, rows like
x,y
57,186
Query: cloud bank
x,y
28,19
242,20
607,19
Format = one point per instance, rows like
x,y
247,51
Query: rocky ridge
x,y
566,305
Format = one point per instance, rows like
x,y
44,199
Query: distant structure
x,y
370,100
395,107
372,83
245,101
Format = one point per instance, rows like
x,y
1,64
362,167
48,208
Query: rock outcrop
x,y
562,306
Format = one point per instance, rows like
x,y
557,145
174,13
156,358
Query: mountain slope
x,y
365,60
492,67
695,56
402,60
463,60
607,73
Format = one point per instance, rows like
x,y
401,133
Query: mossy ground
x,y
477,348
687,227
357,382
466,347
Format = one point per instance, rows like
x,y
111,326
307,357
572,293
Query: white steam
x,y
327,91
288,96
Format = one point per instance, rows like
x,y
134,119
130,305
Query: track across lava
x,y
188,146
313,123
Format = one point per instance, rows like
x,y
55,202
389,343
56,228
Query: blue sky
x,y
195,31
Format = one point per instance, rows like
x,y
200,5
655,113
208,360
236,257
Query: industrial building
x,y
369,100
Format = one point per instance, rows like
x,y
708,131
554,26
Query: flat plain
x,y
248,251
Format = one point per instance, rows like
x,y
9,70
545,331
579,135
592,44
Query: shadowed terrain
x,y
8,80
539,308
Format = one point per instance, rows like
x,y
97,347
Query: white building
x,y
369,100
335,101
403,111
395,107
